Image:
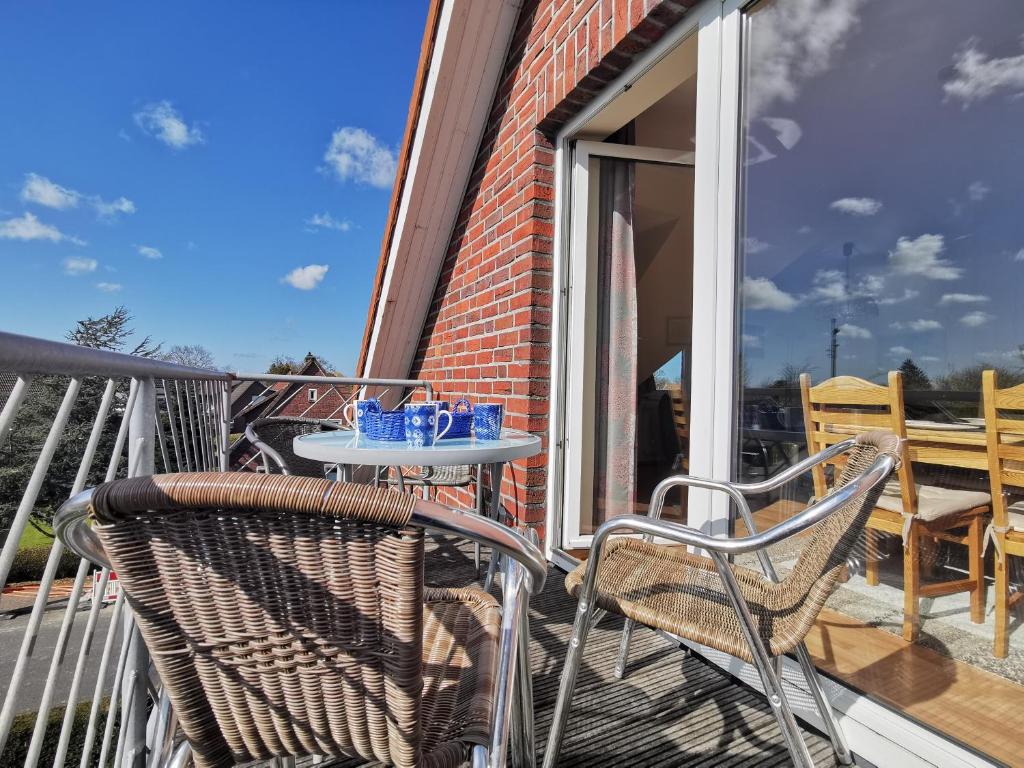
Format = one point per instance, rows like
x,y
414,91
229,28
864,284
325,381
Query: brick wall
x,y
488,333
326,407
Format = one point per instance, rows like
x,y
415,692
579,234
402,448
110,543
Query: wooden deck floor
x,y
671,710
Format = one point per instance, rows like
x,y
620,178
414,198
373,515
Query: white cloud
x,y
795,42
976,76
857,206
40,190
929,359
326,221
962,298
900,351
356,155
752,245
164,123
917,326
306,278
749,340
762,293
28,227
109,287
804,230
854,331
121,205
149,251
829,285
1019,256
920,256
976,319
79,266
788,132
978,191
908,295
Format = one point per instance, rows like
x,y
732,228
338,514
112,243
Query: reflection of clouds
x,y
921,256
916,326
752,245
791,42
1019,256
976,319
830,286
900,351
962,298
788,132
857,206
762,293
978,191
749,340
976,76
851,331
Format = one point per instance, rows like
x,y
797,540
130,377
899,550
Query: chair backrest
x,y
680,413
804,590
283,614
843,406
1004,430
279,431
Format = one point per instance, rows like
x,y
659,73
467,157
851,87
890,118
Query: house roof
x,y
465,44
281,391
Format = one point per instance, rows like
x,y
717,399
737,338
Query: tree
x,y
192,355
20,448
969,379
284,365
914,376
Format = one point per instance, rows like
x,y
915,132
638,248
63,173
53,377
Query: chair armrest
x,y
267,451
880,469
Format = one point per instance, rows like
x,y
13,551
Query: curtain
x,y
615,420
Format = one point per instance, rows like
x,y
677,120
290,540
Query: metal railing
x,y
144,413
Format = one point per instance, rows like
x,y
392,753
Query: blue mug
x,y
355,413
487,418
421,424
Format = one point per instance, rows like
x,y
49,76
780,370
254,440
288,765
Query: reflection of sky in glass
x,y
883,185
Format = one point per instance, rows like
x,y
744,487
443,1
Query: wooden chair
x,y
288,616
681,421
1004,429
845,405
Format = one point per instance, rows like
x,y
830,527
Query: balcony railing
x,y
160,415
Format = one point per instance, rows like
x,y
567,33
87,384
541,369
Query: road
x,y
11,633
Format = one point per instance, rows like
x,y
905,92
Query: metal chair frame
x,y
271,454
524,575
720,550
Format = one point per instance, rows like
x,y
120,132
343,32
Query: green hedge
x,y
30,562
21,736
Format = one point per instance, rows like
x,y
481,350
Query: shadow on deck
x,y
671,710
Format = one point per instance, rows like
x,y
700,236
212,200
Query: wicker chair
x,y
727,607
273,436
457,476
287,616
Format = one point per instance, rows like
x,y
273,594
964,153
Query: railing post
x,y
141,462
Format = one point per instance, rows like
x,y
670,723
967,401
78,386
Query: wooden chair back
x,y
843,406
680,414
1004,432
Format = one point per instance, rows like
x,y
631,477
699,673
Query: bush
x,y
21,736
30,562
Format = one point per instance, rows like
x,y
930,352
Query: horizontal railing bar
x,y
287,377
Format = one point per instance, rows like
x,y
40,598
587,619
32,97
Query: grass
x,y
33,537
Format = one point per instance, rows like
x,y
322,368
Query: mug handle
x,y
447,426
352,423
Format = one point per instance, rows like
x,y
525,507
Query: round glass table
x,y
348,448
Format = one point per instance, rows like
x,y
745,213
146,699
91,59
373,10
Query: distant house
x,y
263,399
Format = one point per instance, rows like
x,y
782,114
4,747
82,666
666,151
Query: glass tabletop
x,y
345,446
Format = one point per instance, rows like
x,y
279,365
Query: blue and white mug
x,y
355,413
487,418
422,422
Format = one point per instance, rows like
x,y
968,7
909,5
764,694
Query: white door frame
x,y
565,429
581,331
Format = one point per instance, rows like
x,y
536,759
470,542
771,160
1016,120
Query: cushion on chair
x,y
933,503
1016,512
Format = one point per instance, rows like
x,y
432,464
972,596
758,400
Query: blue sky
x,y
185,159
896,128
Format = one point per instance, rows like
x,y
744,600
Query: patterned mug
x,y
355,413
487,418
421,423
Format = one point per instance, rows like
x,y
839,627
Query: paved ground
x,y
671,710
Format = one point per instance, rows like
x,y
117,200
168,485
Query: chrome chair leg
x,y
828,714
478,757
567,685
181,756
524,744
627,635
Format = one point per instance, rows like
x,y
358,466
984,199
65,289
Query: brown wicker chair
x,y
727,607
287,616
273,436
